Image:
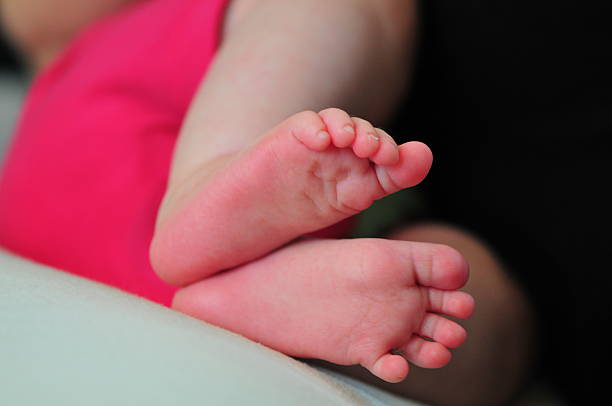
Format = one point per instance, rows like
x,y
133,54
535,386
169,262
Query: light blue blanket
x,y
68,341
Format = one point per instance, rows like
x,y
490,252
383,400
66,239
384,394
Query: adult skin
x,y
362,49
41,28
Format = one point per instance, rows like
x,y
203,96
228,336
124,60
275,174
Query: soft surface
x,y
68,341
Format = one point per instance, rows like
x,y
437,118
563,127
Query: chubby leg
x,y
310,172
377,303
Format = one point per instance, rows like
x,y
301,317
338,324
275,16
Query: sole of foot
x,y
310,172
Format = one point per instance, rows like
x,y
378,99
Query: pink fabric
x,y
89,162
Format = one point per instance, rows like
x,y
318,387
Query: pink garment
x,y
89,162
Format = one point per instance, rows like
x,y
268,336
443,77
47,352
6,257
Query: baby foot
x,y
308,173
378,303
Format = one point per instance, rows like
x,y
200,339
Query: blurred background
x,y
13,83
515,99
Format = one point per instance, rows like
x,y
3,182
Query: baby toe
x,y
367,140
440,266
388,153
340,126
413,164
309,129
425,354
442,330
451,303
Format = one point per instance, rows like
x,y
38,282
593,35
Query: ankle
x,y
183,185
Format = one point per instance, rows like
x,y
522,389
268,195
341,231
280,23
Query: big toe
x,y
439,266
415,160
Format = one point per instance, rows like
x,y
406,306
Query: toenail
x,y
374,136
322,134
349,129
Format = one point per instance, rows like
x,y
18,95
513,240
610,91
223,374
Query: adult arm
x,y
40,29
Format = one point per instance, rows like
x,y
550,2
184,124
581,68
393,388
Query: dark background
x,y
8,59
515,100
